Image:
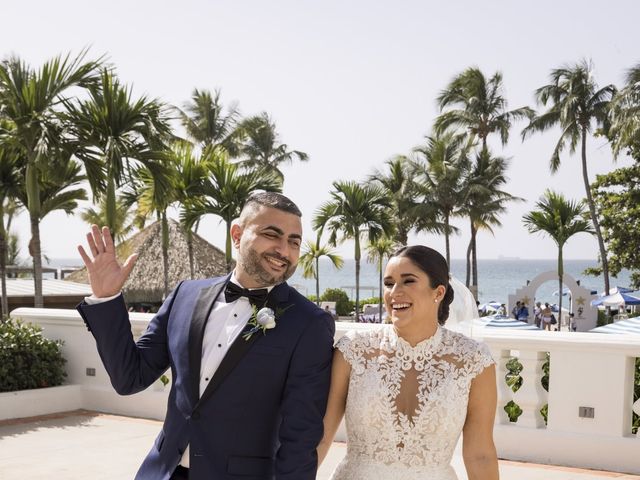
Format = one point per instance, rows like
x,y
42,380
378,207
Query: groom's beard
x,y
250,261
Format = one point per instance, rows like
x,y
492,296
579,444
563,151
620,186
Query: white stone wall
x,y
587,370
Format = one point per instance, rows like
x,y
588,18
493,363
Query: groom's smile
x,y
268,242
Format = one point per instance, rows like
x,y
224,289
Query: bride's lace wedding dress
x,y
406,406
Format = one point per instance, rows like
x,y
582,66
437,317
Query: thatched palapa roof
x,y
145,284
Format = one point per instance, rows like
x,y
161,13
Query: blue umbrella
x,y
617,289
489,307
498,321
629,326
616,299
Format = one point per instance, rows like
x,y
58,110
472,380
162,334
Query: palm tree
x,y
225,191
116,134
442,173
10,185
560,219
208,125
484,202
123,225
60,187
262,150
377,252
407,211
31,99
190,180
353,210
310,262
481,106
576,106
625,113
155,192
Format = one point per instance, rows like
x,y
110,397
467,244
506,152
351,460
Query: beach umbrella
x,y
629,326
617,289
565,291
498,321
489,307
617,299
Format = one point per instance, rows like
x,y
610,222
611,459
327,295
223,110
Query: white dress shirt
x,y
225,323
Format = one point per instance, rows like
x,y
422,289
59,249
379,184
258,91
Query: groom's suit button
x,y
195,415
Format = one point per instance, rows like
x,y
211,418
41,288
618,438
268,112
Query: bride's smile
x,y
410,299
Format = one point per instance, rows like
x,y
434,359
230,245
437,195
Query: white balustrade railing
x,y
587,371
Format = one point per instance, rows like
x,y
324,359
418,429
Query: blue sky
x,y
350,83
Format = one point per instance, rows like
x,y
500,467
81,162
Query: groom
x,y
247,397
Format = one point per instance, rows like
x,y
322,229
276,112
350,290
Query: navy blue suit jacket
x,y
260,417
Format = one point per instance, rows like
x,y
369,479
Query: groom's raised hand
x,y
106,275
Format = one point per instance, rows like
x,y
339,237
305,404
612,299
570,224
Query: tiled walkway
x,y
87,445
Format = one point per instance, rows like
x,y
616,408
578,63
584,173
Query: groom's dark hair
x,y
271,200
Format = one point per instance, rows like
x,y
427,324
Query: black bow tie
x,y
257,297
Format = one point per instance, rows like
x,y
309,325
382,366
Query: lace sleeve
x,y
481,359
348,348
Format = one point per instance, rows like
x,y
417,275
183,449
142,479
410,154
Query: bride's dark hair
x,y
435,266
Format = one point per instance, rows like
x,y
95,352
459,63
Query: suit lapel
x,y
240,346
201,314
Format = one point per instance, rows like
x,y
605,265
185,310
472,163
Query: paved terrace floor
x,y
89,445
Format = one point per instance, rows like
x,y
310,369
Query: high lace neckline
x,y
428,345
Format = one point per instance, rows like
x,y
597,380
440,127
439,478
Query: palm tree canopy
x,y
576,106
30,97
226,188
59,188
381,249
312,251
441,171
558,217
625,113
353,208
123,226
262,148
113,129
485,199
207,123
477,104
11,178
408,211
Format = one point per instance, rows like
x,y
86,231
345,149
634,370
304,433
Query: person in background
x,y
515,310
537,314
523,313
546,316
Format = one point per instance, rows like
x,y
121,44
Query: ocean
x,y
496,278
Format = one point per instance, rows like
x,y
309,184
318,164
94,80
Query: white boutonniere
x,y
263,319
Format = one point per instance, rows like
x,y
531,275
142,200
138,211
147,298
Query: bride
x,y
409,389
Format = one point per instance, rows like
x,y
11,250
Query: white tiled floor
x,y
86,445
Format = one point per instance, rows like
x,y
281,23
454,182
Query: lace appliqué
x,y
406,405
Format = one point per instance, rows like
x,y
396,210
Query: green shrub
x,y
27,359
603,319
513,378
513,411
371,300
344,306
